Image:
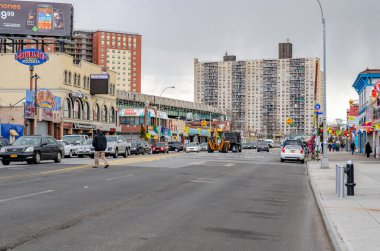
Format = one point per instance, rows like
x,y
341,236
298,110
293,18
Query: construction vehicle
x,y
224,141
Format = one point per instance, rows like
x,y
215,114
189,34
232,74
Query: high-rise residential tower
x,y
259,95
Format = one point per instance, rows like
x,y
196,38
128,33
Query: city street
x,y
177,201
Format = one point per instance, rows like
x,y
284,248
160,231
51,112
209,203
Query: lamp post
x,y
325,160
159,108
35,77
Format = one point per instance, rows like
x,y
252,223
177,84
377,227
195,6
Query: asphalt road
x,y
195,201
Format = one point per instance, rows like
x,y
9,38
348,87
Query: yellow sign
x,y
289,121
204,123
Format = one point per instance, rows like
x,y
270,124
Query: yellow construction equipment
x,y
217,142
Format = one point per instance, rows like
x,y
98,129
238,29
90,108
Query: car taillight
x,y
283,150
301,150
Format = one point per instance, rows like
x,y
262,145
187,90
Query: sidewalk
x,y
353,222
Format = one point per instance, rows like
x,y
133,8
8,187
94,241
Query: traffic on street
x,y
176,201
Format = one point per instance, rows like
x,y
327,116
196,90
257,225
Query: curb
x,y
333,235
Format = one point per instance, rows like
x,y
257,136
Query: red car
x,y
160,147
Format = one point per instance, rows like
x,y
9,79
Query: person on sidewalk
x,y
100,144
368,149
330,146
353,147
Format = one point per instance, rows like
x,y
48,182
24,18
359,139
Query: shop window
x,y
86,111
96,114
67,107
112,115
104,114
77,110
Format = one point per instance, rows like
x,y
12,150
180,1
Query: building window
x,y
75,79
67,106
96,115
86,111
69,78
85,82
104,114
78,80
65,77
77,110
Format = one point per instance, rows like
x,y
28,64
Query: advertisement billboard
x,y
99,84
48,104
36,18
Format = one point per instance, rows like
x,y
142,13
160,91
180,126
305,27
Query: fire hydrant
x,y
349,170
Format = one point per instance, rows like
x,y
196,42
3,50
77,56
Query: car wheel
x,y
59,158
258,151
92,156
302,161
282,160
116,154
5,162
37,158
125,155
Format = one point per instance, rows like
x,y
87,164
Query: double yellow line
x,y
117,162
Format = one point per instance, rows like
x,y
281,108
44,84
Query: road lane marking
x,y
204,180
84,166
120,177
26,196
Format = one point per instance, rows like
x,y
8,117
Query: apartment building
x,y
82,46
120,52
259,95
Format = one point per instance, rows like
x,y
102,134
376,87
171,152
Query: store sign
x,y
84,126
78,94
67,125
31,57
130,112
49,105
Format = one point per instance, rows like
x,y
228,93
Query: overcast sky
x,y
177,31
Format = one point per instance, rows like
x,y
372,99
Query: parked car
x,y
192,147
137,147
253,145
3,142
70,150
160,147
262,146
117,145
203,146
175,146
247,146
293,152
270,143
77,141
32,149
88,149
147,147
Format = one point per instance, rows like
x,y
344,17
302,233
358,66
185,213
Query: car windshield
x,y
72,139
160,144
293,143
134,143
192,144
29,141
111,138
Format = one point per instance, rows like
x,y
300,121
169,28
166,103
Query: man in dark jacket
x,y
353,148
368,149
100,144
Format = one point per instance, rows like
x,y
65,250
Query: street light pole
x,y
325,160
159,108
35,77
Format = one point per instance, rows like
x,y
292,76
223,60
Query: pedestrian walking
x,y
100,144
330,146
353,148
368,149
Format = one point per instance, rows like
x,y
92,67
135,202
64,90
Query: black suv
x,y
32,149
175,146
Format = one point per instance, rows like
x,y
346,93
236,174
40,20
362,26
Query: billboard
x,y
99,84
36,18
49,106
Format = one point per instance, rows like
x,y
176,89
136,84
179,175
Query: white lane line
x,y
26,196
204,180
231,164
129,175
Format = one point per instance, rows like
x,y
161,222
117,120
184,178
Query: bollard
x,y
337,179
350,178
340,181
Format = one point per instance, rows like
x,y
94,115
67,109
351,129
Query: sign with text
x,y
49,106
31,57
36,18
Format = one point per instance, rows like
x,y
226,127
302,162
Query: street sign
x,y
317,107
